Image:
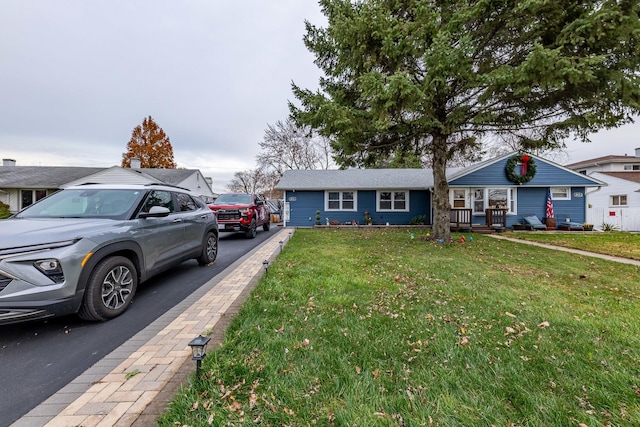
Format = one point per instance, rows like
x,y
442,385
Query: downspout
x,y
586,205
283,214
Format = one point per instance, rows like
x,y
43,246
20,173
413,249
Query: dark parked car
x,y
84,249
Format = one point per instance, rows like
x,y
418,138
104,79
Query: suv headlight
x,y
50,268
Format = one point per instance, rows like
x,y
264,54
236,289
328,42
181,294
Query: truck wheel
x,y
209,249
266,226
251,231
110,289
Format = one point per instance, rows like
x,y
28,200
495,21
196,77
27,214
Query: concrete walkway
x,y
157,359
575,251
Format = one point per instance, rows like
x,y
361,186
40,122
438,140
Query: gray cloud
x,y
77,76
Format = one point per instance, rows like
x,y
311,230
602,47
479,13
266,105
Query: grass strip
x,y
366,327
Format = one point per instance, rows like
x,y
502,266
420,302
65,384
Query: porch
x,y
461,220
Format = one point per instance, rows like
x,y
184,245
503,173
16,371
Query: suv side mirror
x,y
156,212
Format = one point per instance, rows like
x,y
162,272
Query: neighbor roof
x,y
603,160
41,176
629,176
58,176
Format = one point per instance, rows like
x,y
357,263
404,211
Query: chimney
x,y
8,162
638,152
135,163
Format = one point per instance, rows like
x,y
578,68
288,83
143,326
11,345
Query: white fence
x,y
624,219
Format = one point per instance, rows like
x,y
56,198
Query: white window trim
x,y
33,195
467,197
512,199
406,200
618,205
355,200
554,197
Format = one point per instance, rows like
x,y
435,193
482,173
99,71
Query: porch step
x,y
480,229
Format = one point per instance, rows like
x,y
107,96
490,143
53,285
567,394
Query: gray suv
x,y
84,249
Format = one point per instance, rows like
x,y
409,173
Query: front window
x,y
560,193
478,200
29,197
393,201
341,200
497,198
619,200
632,167
458,198
493,198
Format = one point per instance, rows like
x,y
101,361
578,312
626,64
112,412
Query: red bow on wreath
x,y
523,166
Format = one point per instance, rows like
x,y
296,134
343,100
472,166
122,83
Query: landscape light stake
x,y
281,244
199,351
265,264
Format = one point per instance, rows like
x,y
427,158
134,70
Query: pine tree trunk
x,y
441,204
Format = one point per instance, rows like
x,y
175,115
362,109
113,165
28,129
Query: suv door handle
x,y
177,220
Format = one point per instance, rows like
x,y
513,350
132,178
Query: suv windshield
x,y
233,199
81,203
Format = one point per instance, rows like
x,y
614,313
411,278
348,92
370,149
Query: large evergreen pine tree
x,y
429,77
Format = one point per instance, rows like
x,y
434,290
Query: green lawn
x,y
360,327
625,245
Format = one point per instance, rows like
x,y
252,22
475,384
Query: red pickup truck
x,y
242,212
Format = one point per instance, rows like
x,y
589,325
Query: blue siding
x,y
546,175
304,204
303,208
534,201
574,208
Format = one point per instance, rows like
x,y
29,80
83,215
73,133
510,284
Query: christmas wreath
x,y
527,168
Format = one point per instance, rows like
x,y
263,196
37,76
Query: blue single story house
x,y
514,185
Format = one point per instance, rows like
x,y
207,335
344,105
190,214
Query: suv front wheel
x,y
209,249
251,231
110,289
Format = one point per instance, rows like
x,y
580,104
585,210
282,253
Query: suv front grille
x,y
227,215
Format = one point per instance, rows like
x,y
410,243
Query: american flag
x,y
549,204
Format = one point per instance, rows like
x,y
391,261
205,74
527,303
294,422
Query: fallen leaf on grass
x,y
543,325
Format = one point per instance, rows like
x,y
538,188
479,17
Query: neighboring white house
x,y
608,164
617,203
21,186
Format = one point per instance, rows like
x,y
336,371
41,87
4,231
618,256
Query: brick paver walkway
x,y
104,396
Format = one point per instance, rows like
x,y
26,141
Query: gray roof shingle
x,y
41,176
57,176
356,179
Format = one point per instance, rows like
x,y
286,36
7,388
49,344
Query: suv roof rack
x,y
150,184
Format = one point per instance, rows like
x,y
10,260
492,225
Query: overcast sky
x,y
77,76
